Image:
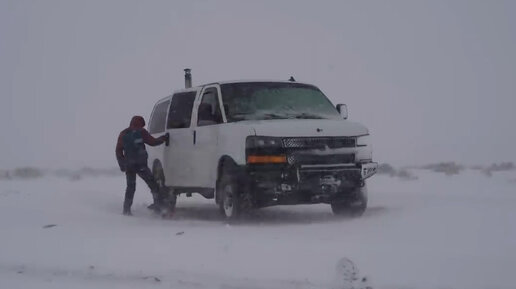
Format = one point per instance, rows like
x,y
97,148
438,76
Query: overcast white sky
x,y
433,80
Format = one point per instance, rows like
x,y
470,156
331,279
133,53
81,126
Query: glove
x,y
121,164
166,138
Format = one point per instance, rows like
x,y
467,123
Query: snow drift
x,y
434,232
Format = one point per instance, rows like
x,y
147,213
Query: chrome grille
x,y
303,150
315,159
319,142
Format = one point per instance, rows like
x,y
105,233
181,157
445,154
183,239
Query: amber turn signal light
x,y
266,159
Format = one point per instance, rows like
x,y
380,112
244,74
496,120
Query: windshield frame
x,y
224,87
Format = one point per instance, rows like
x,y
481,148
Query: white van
x,y
252,144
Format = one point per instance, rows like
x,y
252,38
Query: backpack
x,y
134,147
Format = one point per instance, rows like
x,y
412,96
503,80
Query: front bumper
x,y
306,184
368,170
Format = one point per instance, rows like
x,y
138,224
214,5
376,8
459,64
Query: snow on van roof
x,y
199,87
259,80
237,81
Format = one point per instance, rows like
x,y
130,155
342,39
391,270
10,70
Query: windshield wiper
x,y
271,115
305,115
240,116
255,116
274,116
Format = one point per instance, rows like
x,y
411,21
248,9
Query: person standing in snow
x,y
132,159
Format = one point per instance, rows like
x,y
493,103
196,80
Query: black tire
x,y
169,198
354,207
230,204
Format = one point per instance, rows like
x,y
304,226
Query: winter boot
x,y
157,204
127,207
153,206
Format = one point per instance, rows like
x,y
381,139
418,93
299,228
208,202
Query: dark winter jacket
x,y
130,147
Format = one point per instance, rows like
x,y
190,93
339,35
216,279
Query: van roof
x,y
199,87
237,81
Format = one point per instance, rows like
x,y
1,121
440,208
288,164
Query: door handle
x,y
194,136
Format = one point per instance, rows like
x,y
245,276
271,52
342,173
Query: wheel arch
x,y
224,162
156,164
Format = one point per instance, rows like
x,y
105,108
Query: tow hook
x,y
285,188
281,189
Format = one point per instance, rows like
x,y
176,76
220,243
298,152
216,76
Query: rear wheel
x,y
168,197
353,207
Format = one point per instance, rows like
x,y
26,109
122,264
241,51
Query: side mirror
x,y
343,110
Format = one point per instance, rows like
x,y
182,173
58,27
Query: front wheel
x,y
230,205
353,207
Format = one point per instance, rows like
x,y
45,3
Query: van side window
x,y
180,113
209,110
157,123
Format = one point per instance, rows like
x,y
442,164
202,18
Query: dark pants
x,y
146,175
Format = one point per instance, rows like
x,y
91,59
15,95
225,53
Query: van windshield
x,y
275,100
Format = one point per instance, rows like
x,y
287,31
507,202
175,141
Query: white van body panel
x,y
232,137
306,127
213,143
176,160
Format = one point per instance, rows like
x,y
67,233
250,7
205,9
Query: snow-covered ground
x,y
435,232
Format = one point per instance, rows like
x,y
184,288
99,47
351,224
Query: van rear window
x,y
157,124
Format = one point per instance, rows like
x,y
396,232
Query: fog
x,y
433,80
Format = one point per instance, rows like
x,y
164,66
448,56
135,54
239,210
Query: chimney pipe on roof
x,y
188,78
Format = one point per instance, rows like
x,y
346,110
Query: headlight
x,y
263,142
263,150
363,141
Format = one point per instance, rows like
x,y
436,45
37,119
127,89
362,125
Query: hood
x,y
307,127
137,122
